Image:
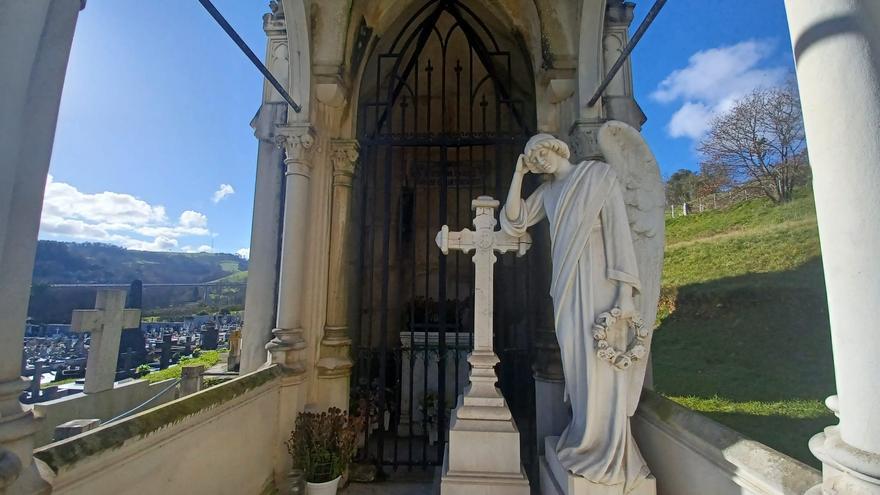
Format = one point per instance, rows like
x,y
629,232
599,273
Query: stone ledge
x,y
744,462
66,453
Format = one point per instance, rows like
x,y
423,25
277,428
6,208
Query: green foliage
x,y
743,333
323,444
208,358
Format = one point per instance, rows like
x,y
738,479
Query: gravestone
x,y
132,340
75,427
210,336
105,324
483,454
165,357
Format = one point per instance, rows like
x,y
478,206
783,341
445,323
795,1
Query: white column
x,y
334,364
35,39
261,295
287,346
836,44
260,298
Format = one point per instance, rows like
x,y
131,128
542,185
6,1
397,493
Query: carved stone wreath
x,y
637,348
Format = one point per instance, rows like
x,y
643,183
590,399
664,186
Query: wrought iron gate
x,y
442,120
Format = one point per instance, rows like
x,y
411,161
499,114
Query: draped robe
x,y
592,255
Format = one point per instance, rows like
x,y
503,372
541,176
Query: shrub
x,y
323,444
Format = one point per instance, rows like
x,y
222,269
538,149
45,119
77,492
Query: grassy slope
x,y
744,331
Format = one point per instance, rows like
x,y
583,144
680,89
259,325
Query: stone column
x,y
35,39
334,365
261,296
287,346
836,46
618,100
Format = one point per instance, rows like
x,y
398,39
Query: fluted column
x,y
287,347
35,40
836,46
335,361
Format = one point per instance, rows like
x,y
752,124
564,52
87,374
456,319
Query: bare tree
x,y
761,141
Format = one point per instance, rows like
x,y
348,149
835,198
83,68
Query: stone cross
x,y
105,323
482,395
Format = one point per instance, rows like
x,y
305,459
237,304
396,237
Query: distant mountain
x,y
72,263
93,263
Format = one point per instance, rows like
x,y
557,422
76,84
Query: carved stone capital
x,y
274,22
583,140
619,13
299,143
344,153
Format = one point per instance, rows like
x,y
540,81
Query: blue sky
x,y
154,149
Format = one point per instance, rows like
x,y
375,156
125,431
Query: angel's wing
x,y
625,150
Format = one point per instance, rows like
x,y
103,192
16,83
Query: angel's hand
x,y
625,301
521,168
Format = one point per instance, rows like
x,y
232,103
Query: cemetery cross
x,y
105,323
482,400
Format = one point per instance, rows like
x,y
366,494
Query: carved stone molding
x,y
299,141
582,139
344,153
274,23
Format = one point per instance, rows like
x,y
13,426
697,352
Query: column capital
x,y
344,153
619,13
299,143
274,23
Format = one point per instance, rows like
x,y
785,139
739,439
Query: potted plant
x,y
322,446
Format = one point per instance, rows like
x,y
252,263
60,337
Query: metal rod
x,y
249,53
652,14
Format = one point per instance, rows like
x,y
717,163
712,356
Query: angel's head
x,y
545,154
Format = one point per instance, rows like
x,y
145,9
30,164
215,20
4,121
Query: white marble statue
x,y
606,226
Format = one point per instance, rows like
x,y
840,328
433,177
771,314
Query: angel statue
x,y
606,226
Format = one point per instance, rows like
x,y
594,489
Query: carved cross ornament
x,y
482,400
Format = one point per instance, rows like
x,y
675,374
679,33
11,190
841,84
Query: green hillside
x,y
69,262
743,334
90,263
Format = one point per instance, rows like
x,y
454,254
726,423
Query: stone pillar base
x,y
552,414
556,480
482,457
845,469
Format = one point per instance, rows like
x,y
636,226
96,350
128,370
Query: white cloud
x,y
244,253
204,248
219,194
114,218
712,81
193,219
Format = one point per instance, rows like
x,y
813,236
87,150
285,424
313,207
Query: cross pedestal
x,y
483,455
105,323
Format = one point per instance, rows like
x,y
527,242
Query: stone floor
x,y
417,482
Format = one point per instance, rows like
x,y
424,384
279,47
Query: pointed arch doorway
x,y
446,105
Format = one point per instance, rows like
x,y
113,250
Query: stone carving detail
x,y
606,225
608,322
582,140
299,142
344,153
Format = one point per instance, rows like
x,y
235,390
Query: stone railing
x,y
225,439
690,454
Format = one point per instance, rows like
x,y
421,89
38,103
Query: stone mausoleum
x,y
408,111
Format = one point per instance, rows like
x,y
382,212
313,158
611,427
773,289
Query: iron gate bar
x,y
483,53
230,31
423,169
424,31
